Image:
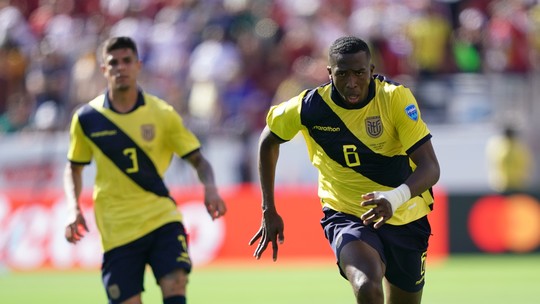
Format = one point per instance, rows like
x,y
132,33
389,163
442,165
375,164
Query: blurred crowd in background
x,y
222,63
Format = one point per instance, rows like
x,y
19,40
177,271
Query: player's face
x,y
351,75
121,68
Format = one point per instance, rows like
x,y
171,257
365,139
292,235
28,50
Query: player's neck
x,y
123,101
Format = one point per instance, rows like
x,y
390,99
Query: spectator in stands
x,y
510,161
17,117
13,68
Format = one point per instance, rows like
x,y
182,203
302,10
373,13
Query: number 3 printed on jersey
x,y
132,154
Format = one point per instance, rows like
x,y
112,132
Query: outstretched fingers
x,y
264,240
262,243
255,237
261,247
280,239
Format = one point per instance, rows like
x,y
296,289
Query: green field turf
x,y
461,279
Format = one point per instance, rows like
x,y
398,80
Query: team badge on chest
x,y
374,126
148,132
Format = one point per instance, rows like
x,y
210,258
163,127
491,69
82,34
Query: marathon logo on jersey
x,y
148,132
103,133
327,128
412,112
374,126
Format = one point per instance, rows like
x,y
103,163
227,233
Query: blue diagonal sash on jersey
x,y
388,171
147,177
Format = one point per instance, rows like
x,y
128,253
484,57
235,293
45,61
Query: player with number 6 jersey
x,y
366,137
364,146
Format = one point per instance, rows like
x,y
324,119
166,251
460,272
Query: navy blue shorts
x,y
164,249
403,248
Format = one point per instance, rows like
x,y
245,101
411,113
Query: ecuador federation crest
x,y
374,126
148,132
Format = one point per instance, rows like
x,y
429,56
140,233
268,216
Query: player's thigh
x,y
396,295
358,248
406,252
359,261
123,270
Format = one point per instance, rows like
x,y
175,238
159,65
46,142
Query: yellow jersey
x,y
358,150
132,152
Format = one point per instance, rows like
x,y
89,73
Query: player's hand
x,y
271,231
76,230
380,212
214,204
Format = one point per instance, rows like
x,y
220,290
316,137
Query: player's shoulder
x,y
97,102
154,101
387,84
159,107
316,94
391,92
306,96
91,106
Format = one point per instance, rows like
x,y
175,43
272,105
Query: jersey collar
x,y
336,97
140,102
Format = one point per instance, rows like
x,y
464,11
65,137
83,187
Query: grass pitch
x,y
493,279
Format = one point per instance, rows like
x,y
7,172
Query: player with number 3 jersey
x,y
132,137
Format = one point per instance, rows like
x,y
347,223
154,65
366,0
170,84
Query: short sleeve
x,y
408,120
181,140
284,119
80,150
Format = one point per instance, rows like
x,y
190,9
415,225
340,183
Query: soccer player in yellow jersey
x,y
132,137
376,164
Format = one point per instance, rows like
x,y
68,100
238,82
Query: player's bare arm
x,y
212,200
271,230
385,203
427,170
76,226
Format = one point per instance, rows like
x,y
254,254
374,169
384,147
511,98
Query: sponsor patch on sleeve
x,y
412,112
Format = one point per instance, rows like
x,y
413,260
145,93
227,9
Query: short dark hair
x,y
116,43
349,45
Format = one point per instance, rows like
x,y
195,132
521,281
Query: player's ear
x,y
329,69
